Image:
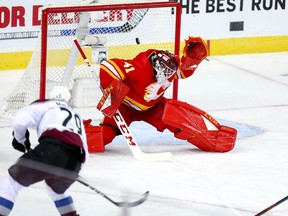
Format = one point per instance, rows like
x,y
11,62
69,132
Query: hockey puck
x,y
137,40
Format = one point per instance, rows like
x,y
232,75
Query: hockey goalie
x,y
137,86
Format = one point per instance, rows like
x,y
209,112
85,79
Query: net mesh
x,y
127,32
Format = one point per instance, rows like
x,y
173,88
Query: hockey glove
x,y
20,146
194,52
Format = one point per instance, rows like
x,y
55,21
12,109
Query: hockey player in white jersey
x,y
57,159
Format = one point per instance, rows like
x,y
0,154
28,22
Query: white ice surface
x,y
248,92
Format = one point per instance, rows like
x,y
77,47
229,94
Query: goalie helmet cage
x,y
122,27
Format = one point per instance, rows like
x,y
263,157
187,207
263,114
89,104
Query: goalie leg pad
x,y
191,126
99,136
94,135
221,140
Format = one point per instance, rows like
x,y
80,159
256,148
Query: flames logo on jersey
x,y
155,90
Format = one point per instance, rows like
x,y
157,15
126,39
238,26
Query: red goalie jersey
x,y
139,75
147,76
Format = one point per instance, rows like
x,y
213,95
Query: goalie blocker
x,y
190,124
116,92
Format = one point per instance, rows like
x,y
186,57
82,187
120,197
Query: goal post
x,y
120,29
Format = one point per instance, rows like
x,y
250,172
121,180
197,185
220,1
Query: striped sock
x,y
5,206
66,206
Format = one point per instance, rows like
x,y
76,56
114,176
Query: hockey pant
x,y
192,125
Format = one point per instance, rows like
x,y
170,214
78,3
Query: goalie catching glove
x,y
22,147
195,50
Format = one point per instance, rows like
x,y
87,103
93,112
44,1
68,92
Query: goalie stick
x,y
119,204
134,147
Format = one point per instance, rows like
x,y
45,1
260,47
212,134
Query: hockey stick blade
x,y
142,156
119,204
132,204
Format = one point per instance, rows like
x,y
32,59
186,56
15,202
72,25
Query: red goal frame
x,y
44,33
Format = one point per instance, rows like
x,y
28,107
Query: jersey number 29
x,y
70,117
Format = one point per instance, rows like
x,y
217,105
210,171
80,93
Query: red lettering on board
x,y
4,17
36,17
18,18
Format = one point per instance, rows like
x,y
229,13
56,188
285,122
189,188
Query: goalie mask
x,y
60,93
165,65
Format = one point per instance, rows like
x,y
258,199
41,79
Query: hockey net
x,y
119,29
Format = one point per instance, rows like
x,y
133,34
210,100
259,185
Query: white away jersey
x,y
48,115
